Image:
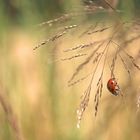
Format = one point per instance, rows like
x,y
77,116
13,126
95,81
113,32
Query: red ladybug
x,y
113,87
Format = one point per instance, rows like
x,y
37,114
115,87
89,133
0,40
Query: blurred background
x,y
36,102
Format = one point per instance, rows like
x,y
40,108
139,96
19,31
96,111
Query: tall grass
x,y
41,88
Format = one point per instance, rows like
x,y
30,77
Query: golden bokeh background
x,y
36,102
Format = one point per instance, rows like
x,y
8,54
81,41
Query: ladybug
x,y
113,86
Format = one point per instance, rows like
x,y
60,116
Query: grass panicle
x,y
99,52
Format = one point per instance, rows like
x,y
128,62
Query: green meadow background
x,y
33,84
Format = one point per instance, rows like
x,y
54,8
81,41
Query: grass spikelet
x,y
83,105
58,35
83,46
98,94
100,30
73,57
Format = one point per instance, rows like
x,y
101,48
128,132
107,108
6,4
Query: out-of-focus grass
x,y
45,106
37,89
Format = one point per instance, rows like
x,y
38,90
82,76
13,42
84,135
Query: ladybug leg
x,y
117,90
115,93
